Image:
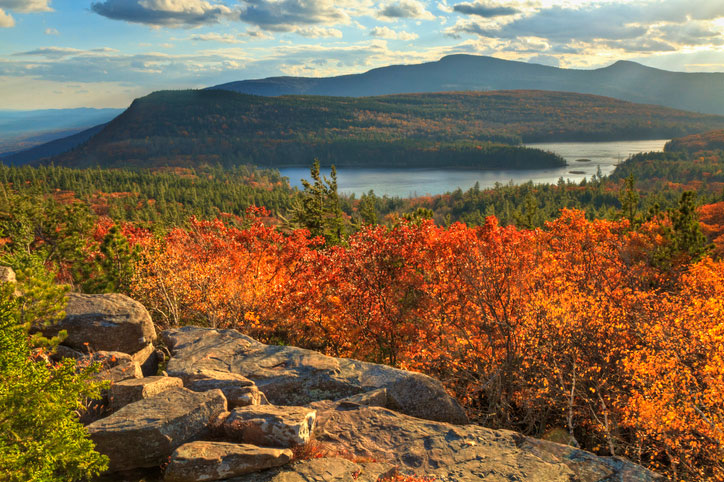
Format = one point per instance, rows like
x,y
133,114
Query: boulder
x,y
238,390
270,426
148,359
375,398
203,379
294,376
456,453
107,322
245,396
134,389
146,432
207,461
330,469
114,365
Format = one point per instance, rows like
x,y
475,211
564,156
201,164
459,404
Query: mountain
x,y
466,129
23,129
698,92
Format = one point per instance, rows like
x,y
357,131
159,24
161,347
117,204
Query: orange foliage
x,y
711,217
568,326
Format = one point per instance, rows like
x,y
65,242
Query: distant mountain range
x,y
23,129
697,92
480,130
50,149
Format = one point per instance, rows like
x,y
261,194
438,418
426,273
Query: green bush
x,y
41,438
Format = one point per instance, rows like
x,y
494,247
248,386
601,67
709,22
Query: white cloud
x,y
319,32
215,37
405,9
256,35
51,31
6,20
389,34
25,6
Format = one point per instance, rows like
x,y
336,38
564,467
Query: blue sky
x,y
104,53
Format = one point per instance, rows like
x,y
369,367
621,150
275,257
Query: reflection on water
x,y
584,159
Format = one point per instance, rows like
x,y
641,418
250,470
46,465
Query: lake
x,y
419,182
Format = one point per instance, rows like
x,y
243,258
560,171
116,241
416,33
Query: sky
x,y
105,53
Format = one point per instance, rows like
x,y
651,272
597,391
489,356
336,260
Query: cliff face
x,y
231,408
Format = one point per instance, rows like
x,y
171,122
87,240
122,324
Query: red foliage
x,y
569,326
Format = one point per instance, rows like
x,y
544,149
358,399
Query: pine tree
x,y
318,208
629,199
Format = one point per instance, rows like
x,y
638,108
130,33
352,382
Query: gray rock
x,y
238,390
203,379
114,365
147,358
294,376
207,461
332,469
108,322
7,275
245,396
375,398
457,453
270,426
145,433
133,390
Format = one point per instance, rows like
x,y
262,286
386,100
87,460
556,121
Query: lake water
x,y
419,182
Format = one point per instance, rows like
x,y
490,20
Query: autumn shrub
x,y
577,326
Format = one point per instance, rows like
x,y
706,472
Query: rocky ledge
x,y
231,408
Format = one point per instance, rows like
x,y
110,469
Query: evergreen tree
x,y
686,235
318,208
114,269
629,199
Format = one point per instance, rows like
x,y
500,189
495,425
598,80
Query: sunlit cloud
x,y
389,34
6,20
25,6
404,9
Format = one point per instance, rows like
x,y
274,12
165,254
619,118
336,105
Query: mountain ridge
x,y
625,80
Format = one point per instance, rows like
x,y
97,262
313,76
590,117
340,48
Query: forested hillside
x,y
191,128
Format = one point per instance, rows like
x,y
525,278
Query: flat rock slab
x,y
455,453
270,426
294,376
145,433
207,461
333,469
238,390
107,322
135,389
